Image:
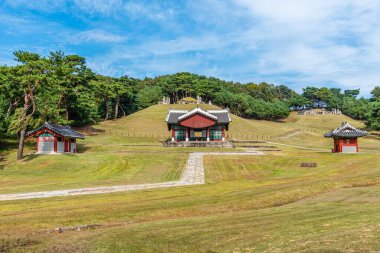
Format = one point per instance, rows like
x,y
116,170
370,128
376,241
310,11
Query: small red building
x,y
346,138
53,139
198,125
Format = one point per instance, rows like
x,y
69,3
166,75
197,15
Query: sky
x,y
299,43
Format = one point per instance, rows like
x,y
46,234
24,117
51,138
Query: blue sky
x,y
292,42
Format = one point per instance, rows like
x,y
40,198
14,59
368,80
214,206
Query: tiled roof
x,y
222,116
65,131
346,131
196,111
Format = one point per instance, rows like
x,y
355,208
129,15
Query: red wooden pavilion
x,y
53,138
345,138
198,125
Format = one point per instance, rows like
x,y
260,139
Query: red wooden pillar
x,y
37,140
357,144
208,134
336,146
75,149
187,134
55,144
173,134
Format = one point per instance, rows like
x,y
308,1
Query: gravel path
x,y
193,175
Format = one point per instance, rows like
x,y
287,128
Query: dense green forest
x,y
62,89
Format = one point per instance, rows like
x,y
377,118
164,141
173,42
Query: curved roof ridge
x,y
197,110
346,130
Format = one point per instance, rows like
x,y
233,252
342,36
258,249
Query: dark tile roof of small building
x,y
346,131
221,116
65,131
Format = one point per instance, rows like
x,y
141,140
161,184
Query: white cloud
x,y
153,10
41,5
303,42
317,42
96,35
108,7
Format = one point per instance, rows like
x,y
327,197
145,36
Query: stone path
x,y
194,174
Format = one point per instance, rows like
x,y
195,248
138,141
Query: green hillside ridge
x,y
151,121
301,130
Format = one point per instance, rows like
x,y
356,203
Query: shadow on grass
x,y
30,157
6,144
89,130
81,148
2,162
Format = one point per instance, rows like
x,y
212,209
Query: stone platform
x,y
220,144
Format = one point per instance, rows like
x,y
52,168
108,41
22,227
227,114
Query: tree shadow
x,y
82,148
6,145
89,130
30,157
2,162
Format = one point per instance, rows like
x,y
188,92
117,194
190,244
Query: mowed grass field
x,y
248,204
302,130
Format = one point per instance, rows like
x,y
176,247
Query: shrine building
x,y
198,125
51,139
345,138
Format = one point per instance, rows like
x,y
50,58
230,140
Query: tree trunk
x,y
122,109
9,109
20,151
60,101
117,107
66,110
107,109
11,106
21,134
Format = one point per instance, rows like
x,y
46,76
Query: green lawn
x,y
249,204
41,172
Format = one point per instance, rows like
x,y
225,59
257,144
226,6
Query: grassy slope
x,y
248,204
90,169
261,203
306,130
110,155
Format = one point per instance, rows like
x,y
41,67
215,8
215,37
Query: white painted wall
x,y
60,147
348,149
46,147
73,147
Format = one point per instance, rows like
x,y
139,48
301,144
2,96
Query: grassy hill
x,y
148,126
129,150
151,121
248,204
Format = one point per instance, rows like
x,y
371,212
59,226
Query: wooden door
x,y
67,145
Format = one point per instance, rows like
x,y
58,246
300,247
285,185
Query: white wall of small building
x,y
73,147
349,149
46,147
60,147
